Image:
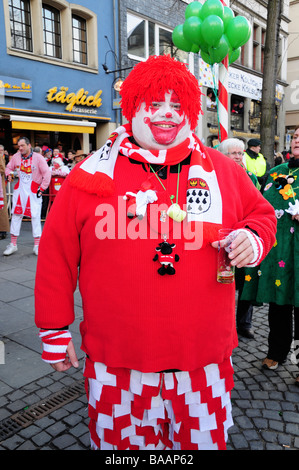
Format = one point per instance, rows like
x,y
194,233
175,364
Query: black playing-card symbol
x,y
198,197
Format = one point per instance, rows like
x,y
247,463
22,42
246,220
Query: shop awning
x,y
51,125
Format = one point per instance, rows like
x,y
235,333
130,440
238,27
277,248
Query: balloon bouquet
x,y
212,30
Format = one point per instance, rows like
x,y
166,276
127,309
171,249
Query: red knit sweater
x,y
133,317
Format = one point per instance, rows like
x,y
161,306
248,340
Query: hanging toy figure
x,y
137,202
136,225
166,257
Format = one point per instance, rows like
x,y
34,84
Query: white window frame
x,y
67,10
157,28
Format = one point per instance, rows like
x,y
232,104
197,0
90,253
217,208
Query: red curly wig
x,y
161,74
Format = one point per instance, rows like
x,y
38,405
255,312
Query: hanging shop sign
x,y
250,86
239,82
245,84
79,102
15,87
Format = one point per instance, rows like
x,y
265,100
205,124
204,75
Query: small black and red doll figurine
x,y
166,258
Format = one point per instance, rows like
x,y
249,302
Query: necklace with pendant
x,y
174,211
165,251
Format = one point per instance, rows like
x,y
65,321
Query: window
x,y
79,40
52,35
255,116
51,31
263,49
237,112
255,57
138,36
146,38
20,24
258,48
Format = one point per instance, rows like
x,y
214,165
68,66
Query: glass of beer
x,y
225,271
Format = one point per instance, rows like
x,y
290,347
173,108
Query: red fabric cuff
x,y
55,343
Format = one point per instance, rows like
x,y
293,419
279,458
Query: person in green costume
x,y
276,280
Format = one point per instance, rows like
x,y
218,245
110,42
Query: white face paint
x,y
163,125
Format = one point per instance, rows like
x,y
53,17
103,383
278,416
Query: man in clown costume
x,y
158,343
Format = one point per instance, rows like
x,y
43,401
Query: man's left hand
x,y
242,251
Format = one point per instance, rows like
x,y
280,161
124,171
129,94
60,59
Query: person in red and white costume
x,y
34,178
58,168
158,347
1,195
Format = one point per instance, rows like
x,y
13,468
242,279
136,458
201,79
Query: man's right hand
x,y
70,360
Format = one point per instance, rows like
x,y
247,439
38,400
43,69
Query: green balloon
x,y
195,48
206,58
193,9
211,7
179,39
234,55
228,15
204,46
218,53
212,29
238,31
191,29
202,43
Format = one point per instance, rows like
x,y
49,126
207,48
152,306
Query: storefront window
x,y
79,40
52,35
20,24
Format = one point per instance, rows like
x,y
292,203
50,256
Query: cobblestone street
x,y
41,409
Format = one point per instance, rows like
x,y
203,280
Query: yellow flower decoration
x,y
277,282
275,244
274,175
287,192
248,278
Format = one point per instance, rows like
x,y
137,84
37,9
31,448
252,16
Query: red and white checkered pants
x,y
132,410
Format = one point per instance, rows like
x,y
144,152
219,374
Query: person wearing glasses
x,y
234,149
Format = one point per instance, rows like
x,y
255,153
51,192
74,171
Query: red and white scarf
x,y
95,174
